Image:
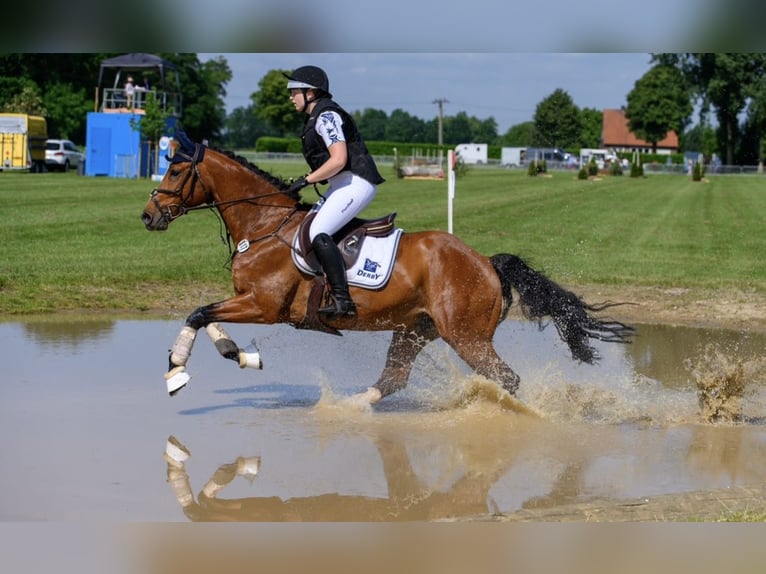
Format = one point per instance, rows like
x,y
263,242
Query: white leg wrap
x,y
183,346
216,332
250,357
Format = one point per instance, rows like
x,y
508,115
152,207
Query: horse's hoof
x,y
365,399
176,379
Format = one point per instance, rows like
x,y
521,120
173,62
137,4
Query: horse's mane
x,y
277,182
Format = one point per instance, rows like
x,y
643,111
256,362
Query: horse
x,y
439,287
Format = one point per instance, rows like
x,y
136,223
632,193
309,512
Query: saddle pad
x,y
373,267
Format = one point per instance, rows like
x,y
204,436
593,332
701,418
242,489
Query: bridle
x,y
175,210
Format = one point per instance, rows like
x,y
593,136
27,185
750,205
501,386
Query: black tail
x,y
540,297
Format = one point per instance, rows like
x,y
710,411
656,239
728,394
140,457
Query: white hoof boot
x,y
250,357
176,379
248,466
176,454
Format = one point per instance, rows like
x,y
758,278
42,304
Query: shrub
x,y
592,167
532,169
582,174
697,172
615,168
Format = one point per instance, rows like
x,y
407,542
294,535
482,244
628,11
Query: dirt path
x,y
724,309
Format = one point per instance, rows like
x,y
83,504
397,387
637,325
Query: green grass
x,y
73,242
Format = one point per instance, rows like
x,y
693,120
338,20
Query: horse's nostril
x,y
146,218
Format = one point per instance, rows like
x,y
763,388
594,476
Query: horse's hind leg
x,y
484,360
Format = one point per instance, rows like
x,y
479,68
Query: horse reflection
x,y
409,498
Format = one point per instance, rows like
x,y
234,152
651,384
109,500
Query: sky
x,y
505,86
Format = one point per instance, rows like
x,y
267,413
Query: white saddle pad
x,y
372,268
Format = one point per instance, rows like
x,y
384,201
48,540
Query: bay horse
x,y
439,287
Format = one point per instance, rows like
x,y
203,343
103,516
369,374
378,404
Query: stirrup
x,y
340,306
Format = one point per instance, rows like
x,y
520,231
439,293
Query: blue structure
x,y
113,133
114,146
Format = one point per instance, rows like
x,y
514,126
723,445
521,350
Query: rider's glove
x,y
298,184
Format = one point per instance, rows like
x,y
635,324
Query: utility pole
x,y
440,102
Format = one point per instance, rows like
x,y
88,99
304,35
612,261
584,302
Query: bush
x,y
615,168
592,167
697,172
582,174
532,169
636,169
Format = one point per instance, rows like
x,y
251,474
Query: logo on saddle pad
x,y
370,269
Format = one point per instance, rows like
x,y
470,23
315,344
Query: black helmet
x,y
309,77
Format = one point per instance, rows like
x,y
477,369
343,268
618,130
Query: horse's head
x,y
180,189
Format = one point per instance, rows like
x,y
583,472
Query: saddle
x,y
349,240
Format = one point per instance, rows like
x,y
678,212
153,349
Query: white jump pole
x,y
450,186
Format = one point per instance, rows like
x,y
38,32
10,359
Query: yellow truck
x,y
22,142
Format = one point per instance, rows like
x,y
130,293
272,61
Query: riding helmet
x,y
309,77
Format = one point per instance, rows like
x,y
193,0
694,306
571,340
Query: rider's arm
x,y
330,127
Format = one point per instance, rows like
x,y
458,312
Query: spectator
x,y
130,92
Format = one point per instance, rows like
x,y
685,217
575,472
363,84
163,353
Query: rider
x,y
336,154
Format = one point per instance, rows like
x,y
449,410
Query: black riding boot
x,y
332,264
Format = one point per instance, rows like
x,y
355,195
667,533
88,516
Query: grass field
x,y
73,242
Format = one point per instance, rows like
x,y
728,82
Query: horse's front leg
x,y
236,309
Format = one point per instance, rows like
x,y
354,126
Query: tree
x,y
65,107
557,121
723,80
591,128
152,126
659,102
483,130
272,104
371,124
520,135
404,127
203,88
457,129
700,138
66,80
27,100
243,128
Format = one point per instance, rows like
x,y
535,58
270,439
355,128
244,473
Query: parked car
x,y
62,155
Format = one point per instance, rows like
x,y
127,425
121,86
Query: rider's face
x,y
298,98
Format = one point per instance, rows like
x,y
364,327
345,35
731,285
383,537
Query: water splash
x,y
722,381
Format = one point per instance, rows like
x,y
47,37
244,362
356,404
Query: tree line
x,y
728,90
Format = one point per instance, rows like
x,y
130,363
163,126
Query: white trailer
x,y
600,156
472,152
513,156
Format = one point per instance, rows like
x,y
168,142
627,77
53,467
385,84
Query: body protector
x,y
315,152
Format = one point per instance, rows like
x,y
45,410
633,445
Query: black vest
x,y
359,161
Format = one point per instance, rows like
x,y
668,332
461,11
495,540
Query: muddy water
x,y
88,431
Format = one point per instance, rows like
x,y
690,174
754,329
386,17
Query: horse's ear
x,y
183,139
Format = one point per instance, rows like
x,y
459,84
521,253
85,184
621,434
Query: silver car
x,y
62,155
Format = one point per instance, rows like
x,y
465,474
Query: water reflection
x,y
69,334
408,497
467,463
